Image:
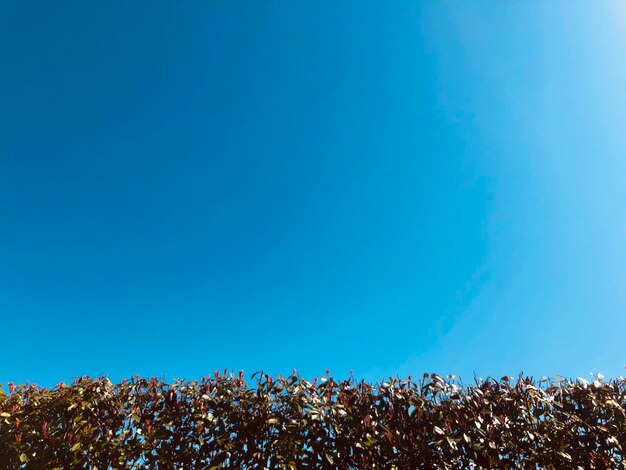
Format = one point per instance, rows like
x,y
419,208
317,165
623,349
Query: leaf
x,y
5,415
76,447
23,458
565,455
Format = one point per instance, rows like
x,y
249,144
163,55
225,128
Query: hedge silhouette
x,y
291,423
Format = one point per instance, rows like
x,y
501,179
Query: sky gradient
x,y
383,187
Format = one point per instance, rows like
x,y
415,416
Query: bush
x,y
291,423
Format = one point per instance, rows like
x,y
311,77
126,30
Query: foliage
x,y
291,423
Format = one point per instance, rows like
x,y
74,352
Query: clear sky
x,y
383,187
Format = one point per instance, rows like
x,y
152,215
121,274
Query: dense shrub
x,y
291,423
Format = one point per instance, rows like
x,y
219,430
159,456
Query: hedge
x,y
291,423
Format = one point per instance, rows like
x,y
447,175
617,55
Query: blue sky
x,y
383,187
